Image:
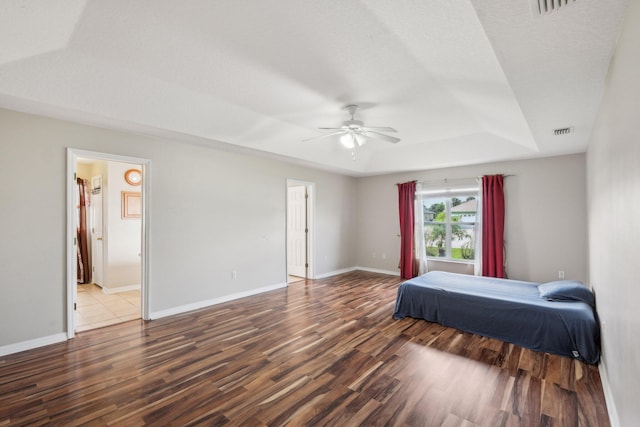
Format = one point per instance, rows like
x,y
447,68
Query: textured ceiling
x,y
463,82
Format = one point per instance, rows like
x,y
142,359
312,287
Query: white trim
x,y
336,272
608,395
449,191
449,260
207,303
71,251
377,270
145,278
356,268
127,288
72,156
107,156
31,344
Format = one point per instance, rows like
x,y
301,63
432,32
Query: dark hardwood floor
x,y
324,352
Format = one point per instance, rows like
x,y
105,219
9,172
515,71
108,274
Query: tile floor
x,y
292,279
97,309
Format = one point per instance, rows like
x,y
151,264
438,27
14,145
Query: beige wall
x,y
84,171
545,225
613,169
211,212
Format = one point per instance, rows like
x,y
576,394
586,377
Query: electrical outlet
x,y
234,275
561,274
384,256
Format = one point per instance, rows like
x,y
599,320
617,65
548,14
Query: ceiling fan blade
x,y
378,135
340,132
379,129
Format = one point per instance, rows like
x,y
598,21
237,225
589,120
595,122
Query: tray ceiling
x,y
463,82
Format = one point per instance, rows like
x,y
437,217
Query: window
x,y
449,224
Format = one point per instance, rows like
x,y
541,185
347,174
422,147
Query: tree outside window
x,y
449,227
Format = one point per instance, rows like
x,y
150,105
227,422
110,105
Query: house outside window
x,y
449,225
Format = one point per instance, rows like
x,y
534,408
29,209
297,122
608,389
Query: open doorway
x,y
106,224
300,202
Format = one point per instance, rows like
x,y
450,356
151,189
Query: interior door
x,y
97,241
73,282
297,231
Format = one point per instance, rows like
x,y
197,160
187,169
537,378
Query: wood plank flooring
x,y
323,352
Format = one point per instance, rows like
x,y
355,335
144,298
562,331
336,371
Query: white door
x,y
297,231
96,239
75,206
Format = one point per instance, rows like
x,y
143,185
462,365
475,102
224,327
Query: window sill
x,y
449,260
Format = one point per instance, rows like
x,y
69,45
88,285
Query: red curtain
x,y
493,226
406,203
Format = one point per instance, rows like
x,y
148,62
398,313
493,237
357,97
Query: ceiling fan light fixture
x,y
351,139
348,140
354,133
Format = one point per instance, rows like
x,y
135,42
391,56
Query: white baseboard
x,y
31,344
335,272
127,288
376,270
608,395
350,269
207,303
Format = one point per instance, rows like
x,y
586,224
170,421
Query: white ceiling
x,y
463,82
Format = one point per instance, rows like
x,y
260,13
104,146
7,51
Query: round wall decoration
x,y
133,177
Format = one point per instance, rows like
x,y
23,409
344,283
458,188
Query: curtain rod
x,y
447,180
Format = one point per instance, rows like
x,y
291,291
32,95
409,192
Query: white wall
x,y
613,169
211,212
122,235
545,225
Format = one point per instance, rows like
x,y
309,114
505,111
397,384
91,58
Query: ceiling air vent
x,y
543,7
562,131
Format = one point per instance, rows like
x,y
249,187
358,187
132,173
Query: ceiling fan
x,y
353,132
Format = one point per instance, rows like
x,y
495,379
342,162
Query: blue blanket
x,y
508,310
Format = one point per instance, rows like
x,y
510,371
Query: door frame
x,y
311,207
71,257
94,245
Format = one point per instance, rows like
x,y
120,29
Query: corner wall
x,y
613,170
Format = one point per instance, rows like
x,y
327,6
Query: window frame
x,y
448,195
